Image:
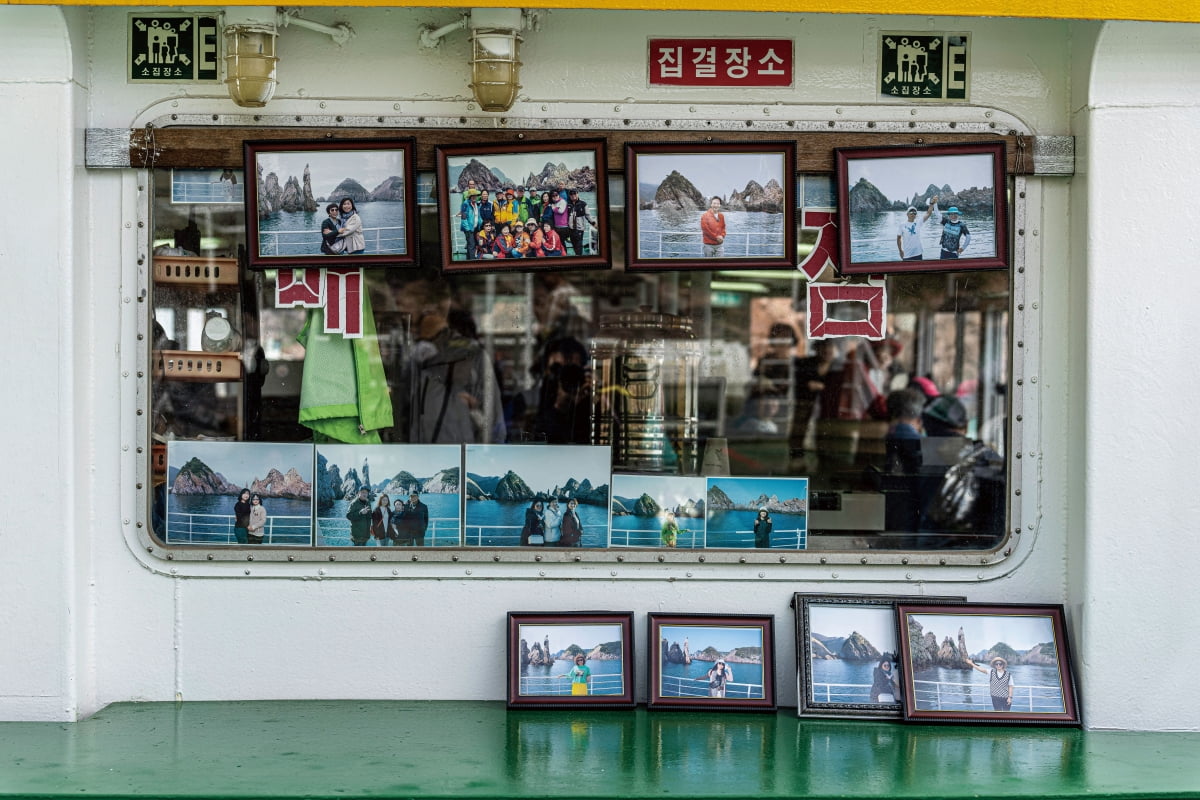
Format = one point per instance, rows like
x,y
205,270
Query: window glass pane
x,y
903,442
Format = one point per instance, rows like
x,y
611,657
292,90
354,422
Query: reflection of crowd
x,y
517,225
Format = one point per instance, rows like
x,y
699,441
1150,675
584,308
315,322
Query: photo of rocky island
x,y
549,653
508,485
392,474
967,663
852,655
695,204
735,505
207,483
927,209
351,203
641,505
694,657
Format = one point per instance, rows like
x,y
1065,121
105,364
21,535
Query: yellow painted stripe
x,y
1177,11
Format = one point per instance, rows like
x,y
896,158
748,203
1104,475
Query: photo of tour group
x,y
537,496
388,495
331,204
238,493
694,206
934,208
987,663
529,206
715,660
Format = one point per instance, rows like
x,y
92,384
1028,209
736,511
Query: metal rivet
x,y
139,486
613,573
290,558
249,558
1008,551
588,121
701,559
942,561
1020,306
468,572
908,576
833,575
579,558
620,558
904,560
870,124
953,124
983,561
1017,529
395,572
1021,270
664,558
1030,526
454,557
862,560
332,557
380,119
297,118
783,559
494,558
742,560
339,118
170,556
1020,343
321,571
247,572
210,557
374,557
542,573
139,525
1020,231
823,559
1020,417
1017,492
1018,455
1020,381
912,124
1035,305
414,557
539,558
687,574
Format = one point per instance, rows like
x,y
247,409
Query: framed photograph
x,y
710,206
986,663
239,493
657,511
766,513
331,203
847,655
570,659
926,208
388,495
531,495
523,205
714,661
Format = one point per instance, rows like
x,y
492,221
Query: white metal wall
x,y
96,626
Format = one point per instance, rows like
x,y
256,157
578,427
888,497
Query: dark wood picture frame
x,y
349,167
870,216
534,683
877,625
1039,682
733,633
536,167
747,177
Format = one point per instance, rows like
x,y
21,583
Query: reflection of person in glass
x,y
257,522
883,683
579,674
241,516
720,674
1000,683
712,229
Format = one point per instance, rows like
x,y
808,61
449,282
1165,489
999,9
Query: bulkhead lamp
x,y
250,63
495,67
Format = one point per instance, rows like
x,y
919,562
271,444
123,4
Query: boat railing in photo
x,y
949,696
442,531
493,535
379,241
781,539
686,539
677,686
185,528
660,243
841,692
542,685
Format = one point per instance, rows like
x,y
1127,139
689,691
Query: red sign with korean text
x,y
721,62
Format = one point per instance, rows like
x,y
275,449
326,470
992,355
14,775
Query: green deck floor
x,y
479,750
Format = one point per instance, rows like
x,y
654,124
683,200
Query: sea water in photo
x,y
748,234
873,236
630,530
333,529
298,233
736,529
1036,689
208,519
495,523
842,681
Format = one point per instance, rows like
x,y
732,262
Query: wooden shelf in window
x,y
190,365
197,272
